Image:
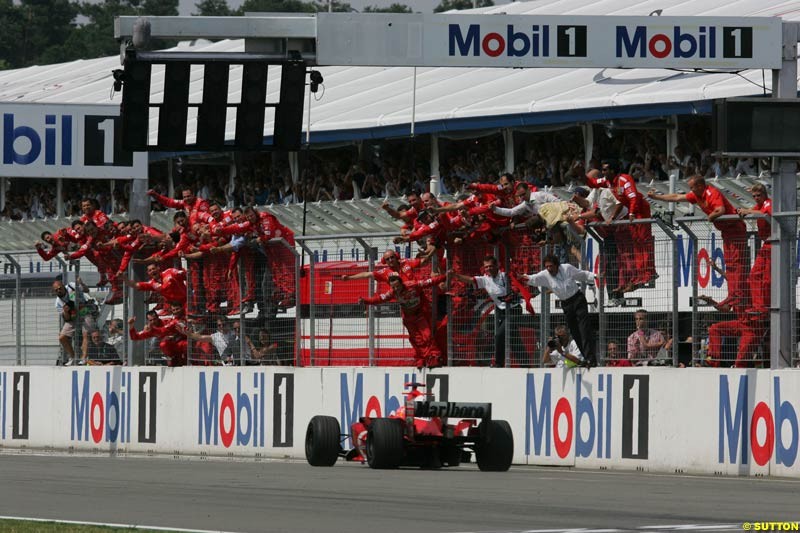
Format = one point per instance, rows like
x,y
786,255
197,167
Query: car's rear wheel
x,y
323,441
385,443
495,449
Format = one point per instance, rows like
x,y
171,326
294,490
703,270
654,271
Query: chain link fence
x,y
304,304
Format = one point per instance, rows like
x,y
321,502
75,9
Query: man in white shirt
x,y
563,280
507,307
528,203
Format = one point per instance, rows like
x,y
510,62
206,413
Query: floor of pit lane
x,y
290,496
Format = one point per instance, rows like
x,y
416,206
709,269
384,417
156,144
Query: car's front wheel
x,y
323,441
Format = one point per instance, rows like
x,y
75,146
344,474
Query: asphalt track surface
x,y
290,496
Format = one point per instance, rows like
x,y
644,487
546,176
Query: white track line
x,y
120,526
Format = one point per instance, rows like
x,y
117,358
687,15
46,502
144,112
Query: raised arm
x,y
669,197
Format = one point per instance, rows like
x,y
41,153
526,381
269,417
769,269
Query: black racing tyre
x,y
385,443
323,441
496,446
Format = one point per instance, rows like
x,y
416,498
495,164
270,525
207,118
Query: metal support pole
x,y
372,254
784,230
139,208
297,294
600,299
450,354
311,318
681,222
17,307
675,282
508,315
508,142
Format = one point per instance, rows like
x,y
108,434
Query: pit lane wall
x,y
696,420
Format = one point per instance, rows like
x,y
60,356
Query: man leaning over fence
x,y
74,310
734,233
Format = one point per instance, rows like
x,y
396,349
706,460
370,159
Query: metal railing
x,y
293,307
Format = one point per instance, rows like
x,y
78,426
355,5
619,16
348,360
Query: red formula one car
x,y
417,434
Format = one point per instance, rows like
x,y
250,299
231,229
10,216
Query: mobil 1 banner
x,y
522,41
65,141
14,405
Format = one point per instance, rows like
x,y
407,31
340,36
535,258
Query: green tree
x,y
394,8
213,8
336,6
275,6
11,37
447,5
44,26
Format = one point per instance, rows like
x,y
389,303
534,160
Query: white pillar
x,y
672,143
59,197
508,140
294,165
170,179
435,155
588,143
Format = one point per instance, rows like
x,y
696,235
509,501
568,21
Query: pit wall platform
x,y
728,422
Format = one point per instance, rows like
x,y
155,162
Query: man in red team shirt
x,y
641,252
734,234
394,266
172,334
416,312
190,203
760,274
170,283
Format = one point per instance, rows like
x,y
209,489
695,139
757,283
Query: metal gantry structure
x,y
525,41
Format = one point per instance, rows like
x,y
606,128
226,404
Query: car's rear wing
x,y
428,409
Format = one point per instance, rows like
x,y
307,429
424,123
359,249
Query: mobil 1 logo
x,y
635,416
283,410
737,41
148,400
15,386
102,141
571,41
438,387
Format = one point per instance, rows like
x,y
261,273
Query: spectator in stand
x,y
644,343
734,234
116,336
562,351
563,281
264,351
220,339
614,356
99,352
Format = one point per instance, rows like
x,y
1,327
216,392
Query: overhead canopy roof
x,y
374,102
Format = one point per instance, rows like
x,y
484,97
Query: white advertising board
x,y
730,422
521,41
66,141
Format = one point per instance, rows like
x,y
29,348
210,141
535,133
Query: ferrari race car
x,y
419,433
